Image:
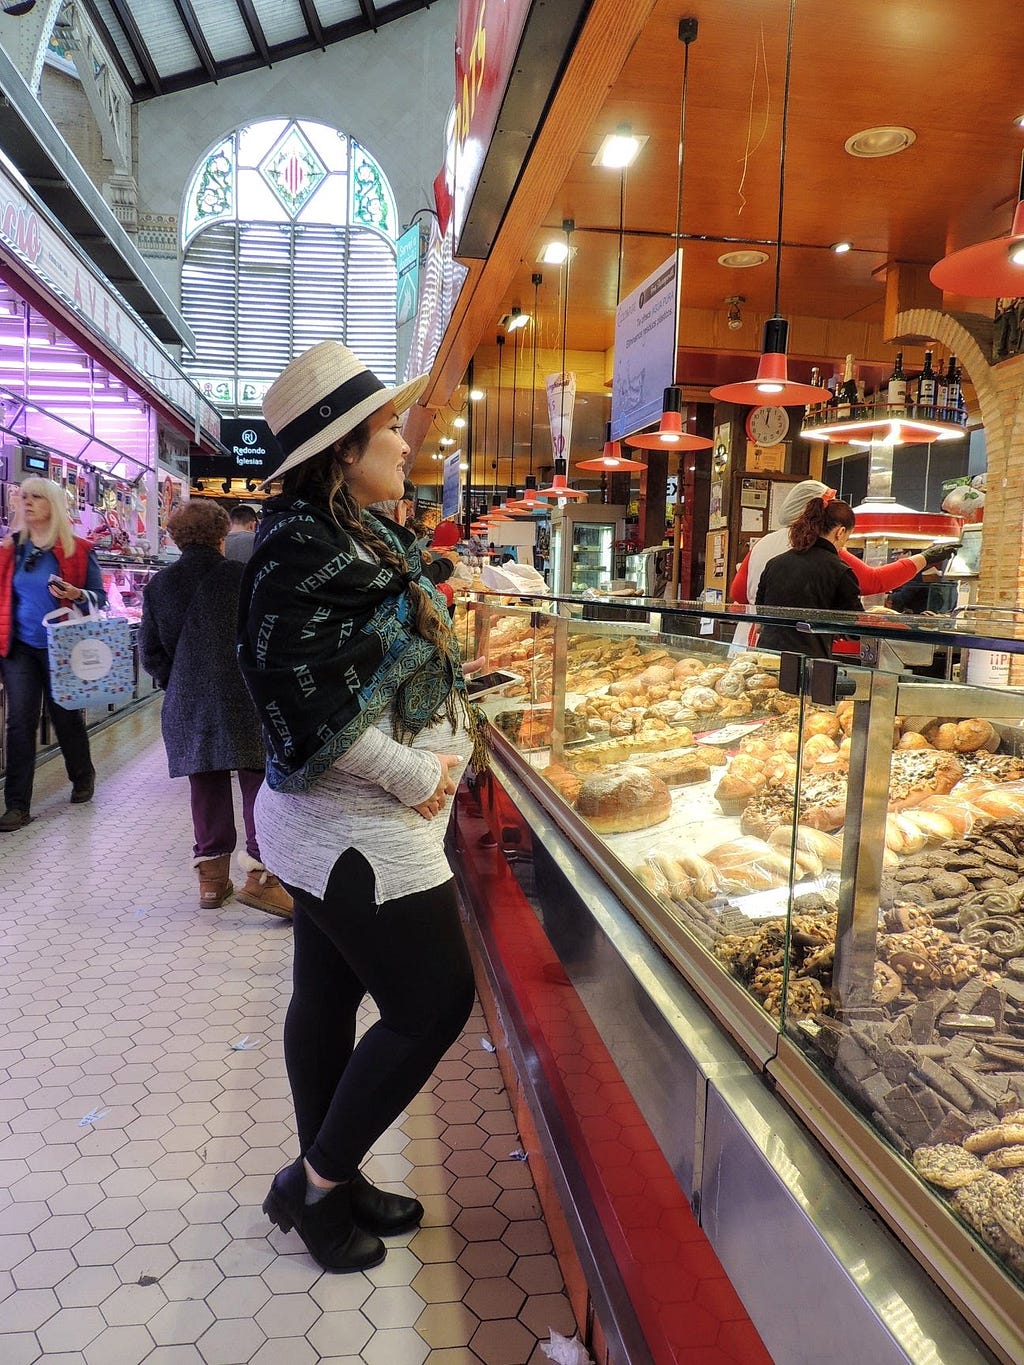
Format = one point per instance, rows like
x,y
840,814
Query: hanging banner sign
x,y
408,262
29,237
450,486
645,350
561,390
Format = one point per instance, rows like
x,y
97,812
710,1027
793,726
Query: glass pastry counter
x,y
832,856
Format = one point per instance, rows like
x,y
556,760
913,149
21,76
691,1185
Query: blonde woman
x,y
42,566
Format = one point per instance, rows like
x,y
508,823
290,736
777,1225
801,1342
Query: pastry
x,y
972,735
948,1166
630,798
749,864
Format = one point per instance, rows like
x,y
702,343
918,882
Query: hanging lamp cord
x,y
515,386
533,385
500,342
565,328
782,152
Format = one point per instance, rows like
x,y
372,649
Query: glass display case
x,y
583,546
831,851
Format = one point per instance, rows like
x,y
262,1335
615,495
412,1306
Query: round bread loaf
x,y
972,735
630,798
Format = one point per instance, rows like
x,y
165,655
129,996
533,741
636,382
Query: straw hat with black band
x,y
321,396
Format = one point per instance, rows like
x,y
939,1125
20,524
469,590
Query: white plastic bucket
x,y
988,668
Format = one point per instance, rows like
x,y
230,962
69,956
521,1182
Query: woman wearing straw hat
x,y
354,669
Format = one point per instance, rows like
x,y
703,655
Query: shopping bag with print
x,y
90,659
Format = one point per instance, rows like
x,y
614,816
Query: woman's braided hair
x,y
321,481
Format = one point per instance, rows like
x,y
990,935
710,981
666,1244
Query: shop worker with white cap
x,y
352,663
743,588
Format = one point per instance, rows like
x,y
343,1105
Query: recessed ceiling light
x,y
619,149
886,140
458,422
475,395
742,260
841,248
1019,120
555,252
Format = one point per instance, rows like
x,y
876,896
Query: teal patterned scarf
x,y
328,644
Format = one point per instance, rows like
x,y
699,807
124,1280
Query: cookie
x,y
1000,1135
1004,1159
1007,1207
948,1166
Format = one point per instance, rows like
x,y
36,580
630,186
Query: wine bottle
x,y
926,386
955,391
952,403
896,394
847,398
942,394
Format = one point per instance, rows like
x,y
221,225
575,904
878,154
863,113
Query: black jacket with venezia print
x,y
816,579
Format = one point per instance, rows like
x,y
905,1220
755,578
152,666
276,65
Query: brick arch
x,y
1000,394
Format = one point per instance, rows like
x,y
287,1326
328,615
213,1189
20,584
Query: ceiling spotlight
x,y
734,318
464,466
475,395
225,485
742,260
458,422
200,486
883,141
446,441
516,319
555,253
619,149
1016,253
841,248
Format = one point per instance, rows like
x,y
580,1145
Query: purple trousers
x,y
213,812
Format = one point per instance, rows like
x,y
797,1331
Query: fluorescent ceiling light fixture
x,y
516,319
619,149
555,253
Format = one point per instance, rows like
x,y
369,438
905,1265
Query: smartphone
x,y
56,582
490,682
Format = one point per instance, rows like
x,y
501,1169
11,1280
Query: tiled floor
x,y
144,1107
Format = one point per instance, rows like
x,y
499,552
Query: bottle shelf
x,y
910,424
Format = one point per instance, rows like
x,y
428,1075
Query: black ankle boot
x,y
381,1212
327,1228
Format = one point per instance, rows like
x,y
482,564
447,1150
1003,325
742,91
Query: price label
x,y
707,625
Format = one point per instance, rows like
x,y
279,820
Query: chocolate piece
x,y
1004,1057
953,1128
986,1095
890,1134
966,1023
943,1084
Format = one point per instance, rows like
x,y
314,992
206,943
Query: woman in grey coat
x,y
210,727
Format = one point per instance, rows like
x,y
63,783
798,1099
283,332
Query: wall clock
x,y
767,426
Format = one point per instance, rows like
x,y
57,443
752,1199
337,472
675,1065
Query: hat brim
x,y
402,397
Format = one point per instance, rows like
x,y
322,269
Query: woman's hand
x,y
436,803
474,666
65,592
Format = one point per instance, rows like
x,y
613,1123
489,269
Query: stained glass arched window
x,y
288,234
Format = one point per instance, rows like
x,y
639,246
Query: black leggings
x,y
410,956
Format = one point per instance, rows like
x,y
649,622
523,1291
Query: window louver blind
x,y
258,294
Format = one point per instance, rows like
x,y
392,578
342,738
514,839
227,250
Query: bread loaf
x,y
627,799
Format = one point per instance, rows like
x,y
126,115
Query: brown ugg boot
x,y
262,890
214,883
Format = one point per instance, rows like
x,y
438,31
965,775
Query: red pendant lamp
x,y
670,434
989,270
611,460
772,386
